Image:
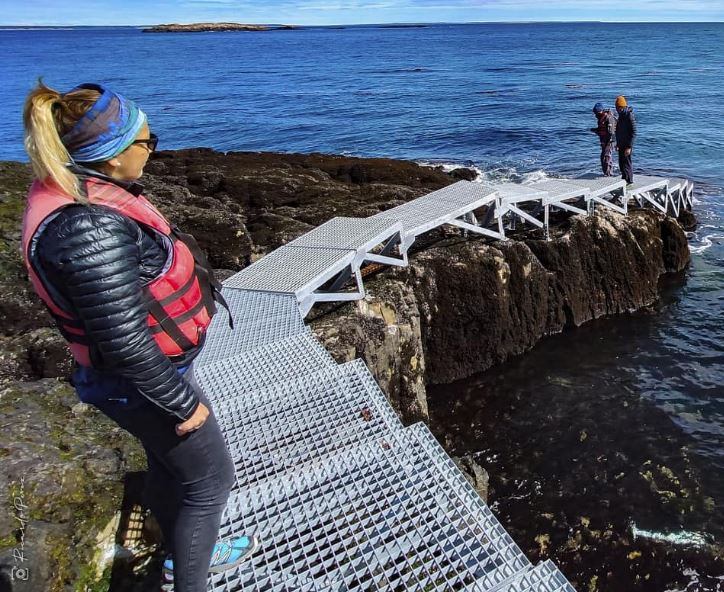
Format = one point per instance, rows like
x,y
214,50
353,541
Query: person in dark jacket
x,y
625,136
98,255
605,130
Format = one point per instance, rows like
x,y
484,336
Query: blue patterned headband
x,y
106,130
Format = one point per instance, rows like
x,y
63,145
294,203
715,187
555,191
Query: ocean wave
x,y
398,70
694,582
501,174
451,166
706,243
510,174
682,537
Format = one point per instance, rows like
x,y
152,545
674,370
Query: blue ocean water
x,y
513,100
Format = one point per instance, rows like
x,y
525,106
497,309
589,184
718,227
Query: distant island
x,y
213,27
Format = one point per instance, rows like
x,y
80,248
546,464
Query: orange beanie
x,y
621,101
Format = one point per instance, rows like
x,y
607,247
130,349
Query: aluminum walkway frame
x,y
325,264
341,494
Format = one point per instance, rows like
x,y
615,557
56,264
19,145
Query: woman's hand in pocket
x,y
194,422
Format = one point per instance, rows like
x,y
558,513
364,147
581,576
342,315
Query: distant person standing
x,y
625,135
605,131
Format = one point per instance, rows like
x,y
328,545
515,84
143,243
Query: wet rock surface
x,y
460,307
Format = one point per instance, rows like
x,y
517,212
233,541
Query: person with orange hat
x,y
625,135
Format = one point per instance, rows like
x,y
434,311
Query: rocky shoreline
x,y
213,28
462,306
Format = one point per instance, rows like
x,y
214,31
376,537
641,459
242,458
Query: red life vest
x,y
180,300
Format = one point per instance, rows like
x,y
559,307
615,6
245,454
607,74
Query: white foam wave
x,y
451,166
706,243
683,537
501,174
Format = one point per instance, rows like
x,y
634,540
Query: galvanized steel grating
x,y
600,185
440,207
516,193
380,516
254,306
290,270
544,577
559,189
644,183
460,193
262,367
259,318
283,427
347,233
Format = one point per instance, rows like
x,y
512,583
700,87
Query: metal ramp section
x,y
544,577
262,367
680,193
454,205
302,271
289,425
260,318
513,196
604,191
316,266
363,235
653,190
380,516
564,195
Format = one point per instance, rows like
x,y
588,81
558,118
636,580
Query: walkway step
x,y
544,577
262,367
359,234
259,318
560,189
287,426
395,515
292,270
511,193
599,186
645,183
439,207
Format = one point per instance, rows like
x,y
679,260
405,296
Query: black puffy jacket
x,y
95,260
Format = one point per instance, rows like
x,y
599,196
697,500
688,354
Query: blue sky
x,y
328,12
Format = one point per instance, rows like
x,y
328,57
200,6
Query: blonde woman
x,y
133,297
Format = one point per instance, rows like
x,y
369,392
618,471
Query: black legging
x,y
625,164
189,477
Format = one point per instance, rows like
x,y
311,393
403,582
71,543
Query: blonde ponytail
x,y
47,115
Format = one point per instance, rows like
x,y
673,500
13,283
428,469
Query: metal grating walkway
x,y
325,264
263,367
380,516
342,496
259,319
295,422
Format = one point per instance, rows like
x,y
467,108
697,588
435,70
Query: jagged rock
x,y
65,469
479,304
383,330
687,220
213,27
476,475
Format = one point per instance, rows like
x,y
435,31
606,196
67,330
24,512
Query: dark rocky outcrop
x,y
474,304
461,306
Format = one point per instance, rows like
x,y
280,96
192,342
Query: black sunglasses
x,y
151,142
